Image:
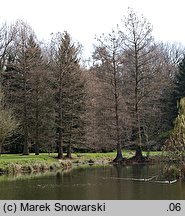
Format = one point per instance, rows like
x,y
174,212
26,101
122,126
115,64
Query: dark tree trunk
x,y
69,144
36,149
69,151
138,153
0,149
60,148
37,122
138,157
26,147
119,157
138,149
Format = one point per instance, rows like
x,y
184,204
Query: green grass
x,y
43,156
12,163
105,158
17,158
126,153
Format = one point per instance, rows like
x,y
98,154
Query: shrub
x,y
171,172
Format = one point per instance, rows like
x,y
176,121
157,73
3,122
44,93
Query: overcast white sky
x,y
85,18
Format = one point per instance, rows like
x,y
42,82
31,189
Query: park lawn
x,y
24,159
112,155
14,158
10,163
30,157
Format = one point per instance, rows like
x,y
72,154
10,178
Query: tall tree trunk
x,y
69,144
69,150
70,133
37,141
138,146
37,123
60,147
26,147
0,149
1,145
138,150
37,149
119,156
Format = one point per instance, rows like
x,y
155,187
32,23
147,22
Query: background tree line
x,y
125,99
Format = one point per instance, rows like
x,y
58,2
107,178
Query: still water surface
x,y
91,182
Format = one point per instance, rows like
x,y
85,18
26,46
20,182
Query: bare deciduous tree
x,y
138,54
108,57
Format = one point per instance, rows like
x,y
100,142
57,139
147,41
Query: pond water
x,y
92,183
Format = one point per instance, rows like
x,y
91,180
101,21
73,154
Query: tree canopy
x,y
123,100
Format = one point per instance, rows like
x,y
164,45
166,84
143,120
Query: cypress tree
x,y
40,101
25,84
68,93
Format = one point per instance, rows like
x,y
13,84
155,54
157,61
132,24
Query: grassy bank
x,y
19,164
108,157
14,163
